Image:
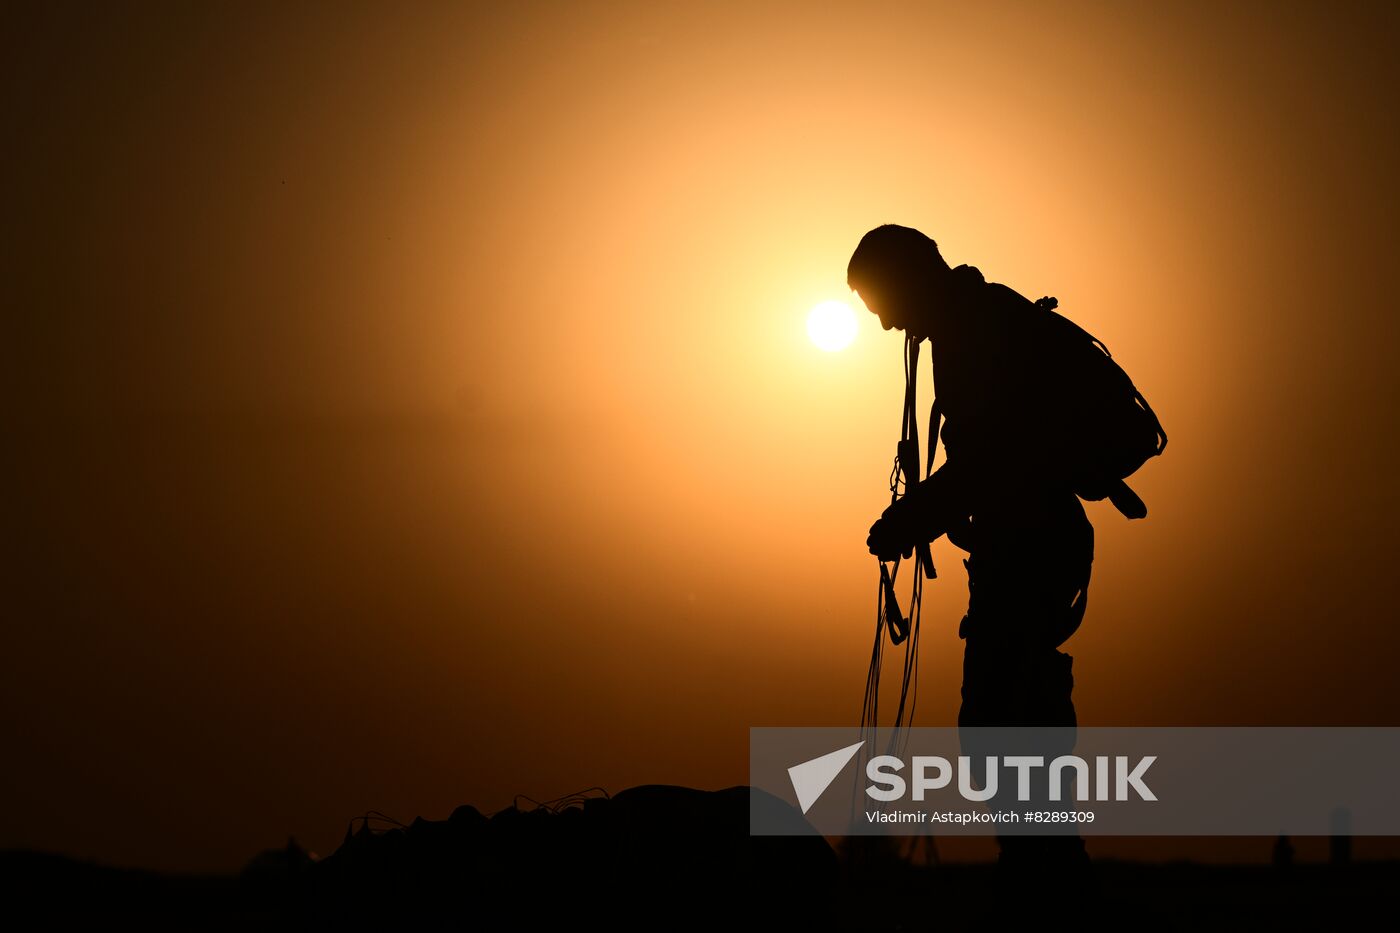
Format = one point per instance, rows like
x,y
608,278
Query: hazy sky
x,y
413,407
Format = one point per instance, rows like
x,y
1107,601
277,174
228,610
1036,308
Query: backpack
x,y
1105,426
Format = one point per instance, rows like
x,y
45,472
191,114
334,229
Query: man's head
x,y
898,273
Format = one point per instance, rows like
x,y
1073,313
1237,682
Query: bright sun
x,y
832,325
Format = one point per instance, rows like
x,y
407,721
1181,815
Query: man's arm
x,y
923,514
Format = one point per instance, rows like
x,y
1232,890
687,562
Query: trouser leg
x,y
1028,580
1011,685
1023,603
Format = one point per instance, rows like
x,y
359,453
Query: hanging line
x,y
904,475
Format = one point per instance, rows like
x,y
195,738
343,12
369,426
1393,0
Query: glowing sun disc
x,y
832,325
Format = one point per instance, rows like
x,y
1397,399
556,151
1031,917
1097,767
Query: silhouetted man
x,y
1003,494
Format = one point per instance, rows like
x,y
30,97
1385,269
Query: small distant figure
x,y
1034,415
1339,842
1283,854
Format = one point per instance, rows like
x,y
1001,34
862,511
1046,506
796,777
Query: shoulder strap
x,y
935,419
907,454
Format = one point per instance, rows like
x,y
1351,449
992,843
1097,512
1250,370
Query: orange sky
x,y
413,409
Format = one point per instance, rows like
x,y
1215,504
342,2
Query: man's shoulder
x,y
974,285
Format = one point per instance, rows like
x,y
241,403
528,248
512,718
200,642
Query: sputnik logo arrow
x,y
811,778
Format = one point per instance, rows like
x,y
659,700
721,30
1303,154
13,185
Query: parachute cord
x,y
870,708
870,704
899,485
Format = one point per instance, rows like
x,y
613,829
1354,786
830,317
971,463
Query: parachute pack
x,y
1107,429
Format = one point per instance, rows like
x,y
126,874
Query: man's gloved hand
x,y
893,533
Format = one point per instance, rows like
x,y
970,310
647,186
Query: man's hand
x,y
924,513
893,533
